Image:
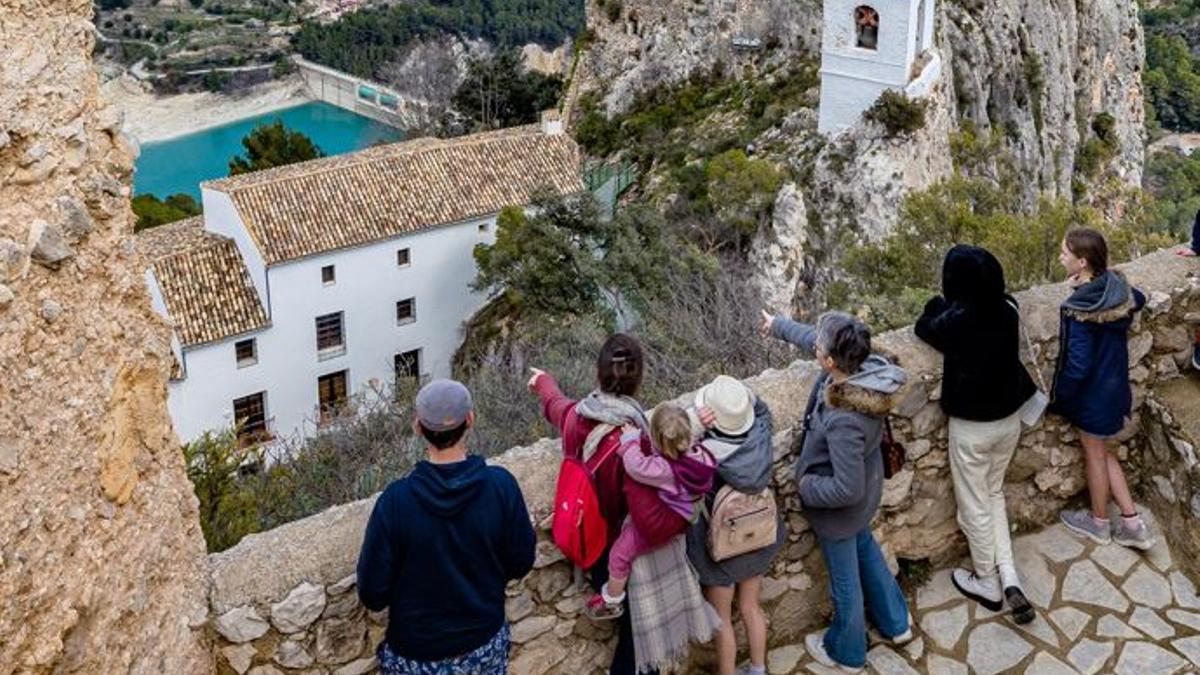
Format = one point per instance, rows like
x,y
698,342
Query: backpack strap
x,y
593,463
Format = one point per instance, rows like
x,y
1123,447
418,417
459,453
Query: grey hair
x,y
845,339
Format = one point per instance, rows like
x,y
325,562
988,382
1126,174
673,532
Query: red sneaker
x,y
597,609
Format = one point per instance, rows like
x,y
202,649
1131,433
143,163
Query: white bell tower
x,y
869,46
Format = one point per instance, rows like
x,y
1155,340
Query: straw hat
x,y
731,402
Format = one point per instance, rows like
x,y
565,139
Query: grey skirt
x,y
732,570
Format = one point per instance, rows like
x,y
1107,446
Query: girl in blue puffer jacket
x,y
1091,383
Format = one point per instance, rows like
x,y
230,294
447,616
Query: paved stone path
x,y
1101,609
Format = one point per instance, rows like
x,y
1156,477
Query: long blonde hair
x,y
671,430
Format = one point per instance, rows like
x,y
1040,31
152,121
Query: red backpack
x,y
579,528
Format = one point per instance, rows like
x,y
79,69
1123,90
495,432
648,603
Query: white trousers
x,y
979,457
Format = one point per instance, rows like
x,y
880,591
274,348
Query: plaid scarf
x,y
666,607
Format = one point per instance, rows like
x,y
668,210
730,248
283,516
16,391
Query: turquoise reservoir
x,y
180,164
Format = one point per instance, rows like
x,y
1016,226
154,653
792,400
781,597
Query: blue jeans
x,y
858,576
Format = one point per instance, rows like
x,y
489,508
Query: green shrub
x,y
897,113
593,130
1104,126
1035,81
228,507
742,190
151,211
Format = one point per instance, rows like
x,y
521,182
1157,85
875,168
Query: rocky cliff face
x,y
1042,71
649,43
102,566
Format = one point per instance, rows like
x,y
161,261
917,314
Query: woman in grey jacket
x,y
840,480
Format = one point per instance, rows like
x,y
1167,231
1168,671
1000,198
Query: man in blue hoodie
x,y
440,546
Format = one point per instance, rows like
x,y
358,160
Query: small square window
x,y
403,258
484,227
331,340
328,275
406,311
246,351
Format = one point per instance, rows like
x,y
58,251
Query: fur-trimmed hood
x,y
1106,299
870,391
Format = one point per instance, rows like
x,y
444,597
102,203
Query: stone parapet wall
x,y
283,601
1169,466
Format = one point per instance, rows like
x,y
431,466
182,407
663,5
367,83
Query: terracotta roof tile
x,y
336,202
204,283
161,241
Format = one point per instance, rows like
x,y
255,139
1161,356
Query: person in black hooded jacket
x,y
440,547
976,326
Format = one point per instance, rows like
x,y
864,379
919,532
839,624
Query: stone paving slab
x,y
1101,609
1149,622
1070,621
1044,664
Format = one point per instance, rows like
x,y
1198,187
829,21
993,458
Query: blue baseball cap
x,y
443,405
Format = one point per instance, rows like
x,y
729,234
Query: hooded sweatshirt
x,y
977,329
840,470
439,548
680,482
1091,379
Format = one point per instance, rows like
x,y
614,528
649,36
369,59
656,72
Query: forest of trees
x,y
498,92
152,211
361,42
1172,75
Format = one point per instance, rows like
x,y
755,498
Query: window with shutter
x,y
331,395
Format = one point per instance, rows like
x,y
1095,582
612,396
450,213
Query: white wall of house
x,y
367,287
221,216
852,78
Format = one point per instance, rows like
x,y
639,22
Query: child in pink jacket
x,y
682,473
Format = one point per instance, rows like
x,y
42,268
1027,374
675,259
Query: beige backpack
x,y
741,523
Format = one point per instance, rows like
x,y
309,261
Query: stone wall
x,y
284,599
101,555
1169,465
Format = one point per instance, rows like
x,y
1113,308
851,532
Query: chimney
x,y
551,122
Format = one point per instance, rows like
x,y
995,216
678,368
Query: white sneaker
x,y
815,643
985,591
874,637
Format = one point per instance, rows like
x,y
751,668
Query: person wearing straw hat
x,y
736,428
977,328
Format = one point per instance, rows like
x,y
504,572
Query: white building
x,y
305,283
869,47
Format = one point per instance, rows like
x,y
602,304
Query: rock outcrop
x,y
777,252
102,566
1042,72
648,44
